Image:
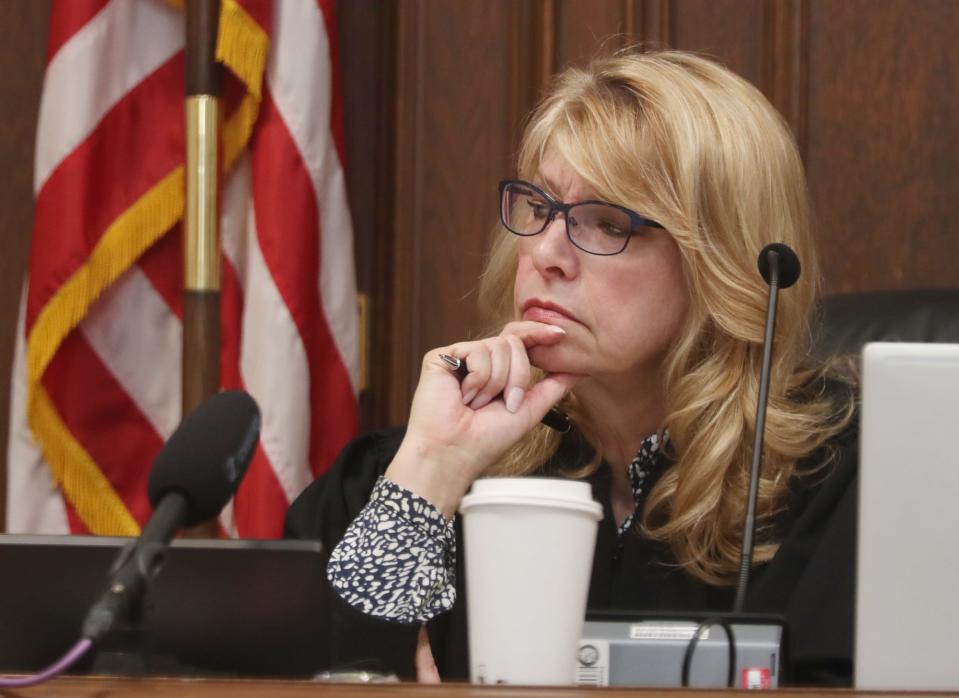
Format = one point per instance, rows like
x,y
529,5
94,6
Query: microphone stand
x,y
749,528
135,567
115,622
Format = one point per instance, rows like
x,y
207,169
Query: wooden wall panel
x,y
585,28
785,62
366,35
729,30
460,91
23,44
883,152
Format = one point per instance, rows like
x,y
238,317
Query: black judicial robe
x,y
810,581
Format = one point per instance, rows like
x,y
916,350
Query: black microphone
x,y
192,479
784,262
780,268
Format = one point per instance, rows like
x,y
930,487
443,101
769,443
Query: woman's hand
x,y
458,430
426,671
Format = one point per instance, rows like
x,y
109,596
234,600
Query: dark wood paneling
x,y
728,30
653,22
367,49
585,28
883,148
534,56
396,369
460,74
23,41
785,62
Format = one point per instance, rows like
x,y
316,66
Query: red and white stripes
x,y
288,299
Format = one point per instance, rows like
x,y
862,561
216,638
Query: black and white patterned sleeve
x,y
397,560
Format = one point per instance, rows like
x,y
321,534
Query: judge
x,y
623,289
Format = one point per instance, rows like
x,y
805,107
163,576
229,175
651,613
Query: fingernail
x,y
514,398
468,397
557,329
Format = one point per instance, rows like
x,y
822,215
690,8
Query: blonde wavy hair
x,y
688,143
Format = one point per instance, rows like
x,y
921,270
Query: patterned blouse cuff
x,y
411,508
397,559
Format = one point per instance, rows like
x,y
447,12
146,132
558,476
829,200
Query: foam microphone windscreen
x,y
789,267
207,455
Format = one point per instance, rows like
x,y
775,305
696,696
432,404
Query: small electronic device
x,y
630,648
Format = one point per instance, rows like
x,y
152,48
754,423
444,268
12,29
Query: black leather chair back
x,y
849,321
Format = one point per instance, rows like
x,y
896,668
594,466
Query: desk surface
x,y
110,687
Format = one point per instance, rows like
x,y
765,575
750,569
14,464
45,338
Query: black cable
x,y
694,641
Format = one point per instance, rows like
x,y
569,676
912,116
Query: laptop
x,y
907,600
217,608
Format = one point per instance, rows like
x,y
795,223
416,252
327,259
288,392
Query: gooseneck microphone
x,y
754,648
192,479
780,268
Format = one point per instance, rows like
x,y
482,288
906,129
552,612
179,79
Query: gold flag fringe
x,y
98,504
243,47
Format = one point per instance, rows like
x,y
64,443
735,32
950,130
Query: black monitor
x,y
217,608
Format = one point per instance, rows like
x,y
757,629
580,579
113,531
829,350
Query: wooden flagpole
x,y
201,287
201,283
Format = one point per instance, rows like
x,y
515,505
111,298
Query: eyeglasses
x,y
596,227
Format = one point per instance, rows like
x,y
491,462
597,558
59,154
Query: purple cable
x,y
57,667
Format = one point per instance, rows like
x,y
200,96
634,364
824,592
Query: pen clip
x,y
554,419
450,361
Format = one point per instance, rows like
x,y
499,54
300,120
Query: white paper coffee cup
x,y
529,546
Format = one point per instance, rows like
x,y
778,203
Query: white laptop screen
x,y
907,605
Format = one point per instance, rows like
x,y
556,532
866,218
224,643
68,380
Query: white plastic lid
x,y
533,486
533,491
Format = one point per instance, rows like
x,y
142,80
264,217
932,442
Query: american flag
x,y
97,368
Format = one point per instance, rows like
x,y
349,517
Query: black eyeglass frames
x,y
596,227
